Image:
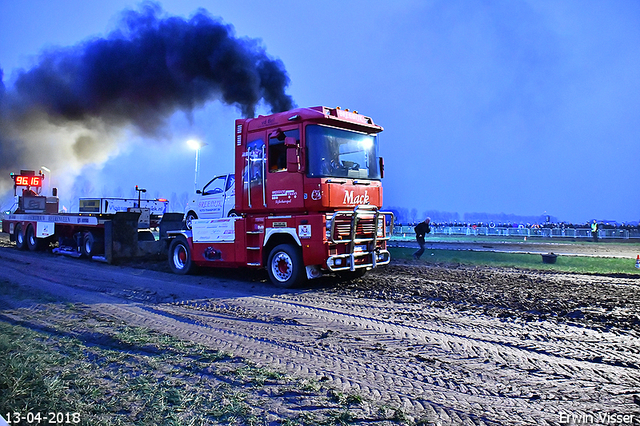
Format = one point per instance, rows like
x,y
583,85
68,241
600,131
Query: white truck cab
x,y
216,200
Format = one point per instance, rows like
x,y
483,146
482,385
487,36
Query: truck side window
x,y
215,186
254,162
231,183
278,152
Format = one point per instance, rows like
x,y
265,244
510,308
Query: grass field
x,y
114,374
118,383
581,264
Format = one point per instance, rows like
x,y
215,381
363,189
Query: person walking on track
x,y
422,229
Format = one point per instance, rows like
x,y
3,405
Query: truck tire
x,y
285,266
21,241
180,260
92,245
32,241
189,218
232,213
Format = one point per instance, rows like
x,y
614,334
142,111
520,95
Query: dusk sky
x,y
519,107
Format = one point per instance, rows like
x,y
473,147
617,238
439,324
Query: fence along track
x,y
529,232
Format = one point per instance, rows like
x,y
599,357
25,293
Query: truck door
x,y
254,172
212,199
230,195
284,189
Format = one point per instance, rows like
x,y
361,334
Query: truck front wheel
x,y
285,266
21,242
180,256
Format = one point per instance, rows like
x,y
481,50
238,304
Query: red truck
x,y
308,192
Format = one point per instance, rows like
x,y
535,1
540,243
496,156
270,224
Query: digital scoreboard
x,y
22,180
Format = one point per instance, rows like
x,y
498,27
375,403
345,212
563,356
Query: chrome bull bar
x,y
365,214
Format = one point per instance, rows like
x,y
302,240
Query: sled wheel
x,y
21,242
92,244
32,241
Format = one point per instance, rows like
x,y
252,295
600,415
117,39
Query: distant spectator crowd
x,y
548,225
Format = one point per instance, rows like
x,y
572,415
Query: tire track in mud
x,y
373,380
459,371
548,338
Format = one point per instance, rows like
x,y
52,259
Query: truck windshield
x,y
335,152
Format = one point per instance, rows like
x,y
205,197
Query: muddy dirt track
x,y
451,345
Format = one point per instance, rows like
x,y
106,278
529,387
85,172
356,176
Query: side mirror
x,y
290,142
198,191
381,161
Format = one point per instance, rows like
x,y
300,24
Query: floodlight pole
x,y
196,145
49,183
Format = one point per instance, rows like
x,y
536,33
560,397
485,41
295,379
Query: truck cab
x,y
310,159
312,178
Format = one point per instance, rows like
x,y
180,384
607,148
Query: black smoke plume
x,y
151,66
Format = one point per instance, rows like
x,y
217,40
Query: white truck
x,y
216,200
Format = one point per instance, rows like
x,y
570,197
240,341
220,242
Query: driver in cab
x,y
332,166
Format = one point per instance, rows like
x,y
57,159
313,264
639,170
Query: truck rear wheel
x,y
21,242
180,256
285,266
